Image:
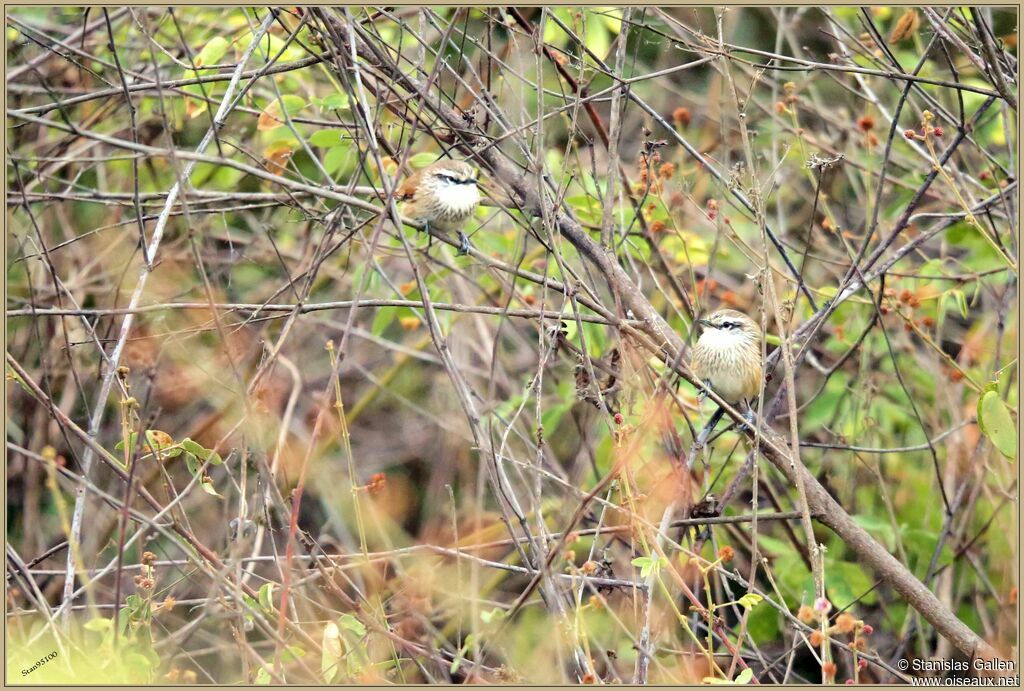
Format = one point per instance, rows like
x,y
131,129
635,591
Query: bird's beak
x,y
704,322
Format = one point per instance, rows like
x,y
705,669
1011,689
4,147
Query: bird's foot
x,y
464,245
749,424
430,237
703,393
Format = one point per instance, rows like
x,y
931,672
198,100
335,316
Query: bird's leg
x,y
430,236
703,393
463,244
702,438
748,415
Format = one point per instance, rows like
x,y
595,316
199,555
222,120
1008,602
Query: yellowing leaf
x,y
330,656
194,107
157,439
390,166
276,157
212,52
272,116
996,423
742,678
350,623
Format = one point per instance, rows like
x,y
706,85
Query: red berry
x,y
868,629
937,131
909,134
618,418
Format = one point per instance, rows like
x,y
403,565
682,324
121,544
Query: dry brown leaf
x,y
905,27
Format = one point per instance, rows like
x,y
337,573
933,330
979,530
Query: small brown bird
x,y
727,357
442,196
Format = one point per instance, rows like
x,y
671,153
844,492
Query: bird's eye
x,y
729,325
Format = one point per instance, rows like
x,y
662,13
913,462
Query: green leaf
x,y
137,664
354,665
335,102
336,157
193,448
457,662
763,623
649,565
996,423
422,160
192,463
292,103
266,594
201,452
250,602
644,563
328,138
612,18
209,489
350,623
848,581
213,51
745,676
990,387
961,302
587,208
293,652
879,528
119,446
598,37
133,603
553,415
750,600
384,317
262,676
496,614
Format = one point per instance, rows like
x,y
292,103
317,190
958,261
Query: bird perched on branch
x,y
441,196
727,357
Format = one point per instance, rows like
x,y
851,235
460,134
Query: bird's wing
x,y
408,187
